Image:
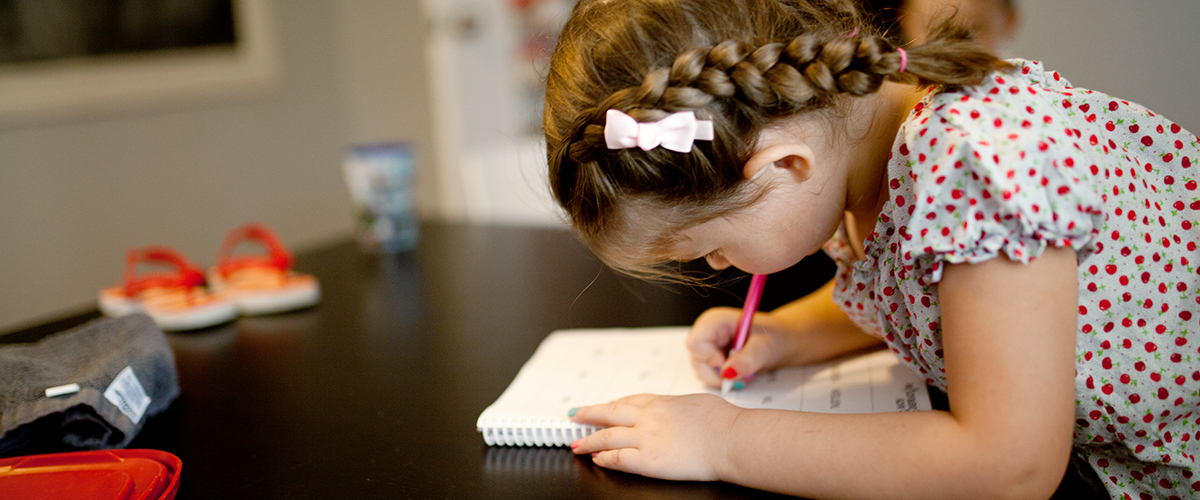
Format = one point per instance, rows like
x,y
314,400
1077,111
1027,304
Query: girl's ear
x,y
794,159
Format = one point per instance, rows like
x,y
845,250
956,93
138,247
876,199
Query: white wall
x,y
490,168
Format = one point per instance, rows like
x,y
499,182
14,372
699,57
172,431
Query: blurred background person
x,y
908,21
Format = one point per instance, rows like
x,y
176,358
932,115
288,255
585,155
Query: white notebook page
x,y
574,368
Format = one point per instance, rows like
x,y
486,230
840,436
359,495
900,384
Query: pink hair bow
x,y
676,132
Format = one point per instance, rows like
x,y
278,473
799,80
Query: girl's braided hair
x,y
743,64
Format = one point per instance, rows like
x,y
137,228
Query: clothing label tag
x,y
128,395
61,390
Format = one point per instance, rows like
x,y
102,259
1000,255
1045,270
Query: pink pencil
x,y
743,331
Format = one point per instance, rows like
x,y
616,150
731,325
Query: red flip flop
x,y
176,299
261,283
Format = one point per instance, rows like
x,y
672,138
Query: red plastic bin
x,y
102,474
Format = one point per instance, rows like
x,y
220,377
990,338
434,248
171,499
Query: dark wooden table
x,y
374,393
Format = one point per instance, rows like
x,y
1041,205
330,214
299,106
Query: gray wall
x,y
1145,51
75,195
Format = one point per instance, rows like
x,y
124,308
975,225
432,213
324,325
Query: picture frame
x,y
91,87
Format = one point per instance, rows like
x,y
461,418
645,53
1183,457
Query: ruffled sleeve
x,y
990,179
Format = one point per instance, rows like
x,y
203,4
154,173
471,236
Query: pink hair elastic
x,y
903,59
852,33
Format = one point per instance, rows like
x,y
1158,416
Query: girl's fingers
x,y
707,344
754,356
709,339
624,459
611,438
622,412
708,368
708,374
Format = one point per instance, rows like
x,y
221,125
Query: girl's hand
x,y
713,333
667,437
808,330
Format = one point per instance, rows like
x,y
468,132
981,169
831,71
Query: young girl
x,y
1028,246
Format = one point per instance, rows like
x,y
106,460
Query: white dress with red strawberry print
x,y
1023,161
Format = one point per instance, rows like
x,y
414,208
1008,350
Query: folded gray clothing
x,y
125,372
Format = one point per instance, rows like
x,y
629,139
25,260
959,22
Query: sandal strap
x,y
277,258
186,275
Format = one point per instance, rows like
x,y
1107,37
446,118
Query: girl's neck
x,y
875,120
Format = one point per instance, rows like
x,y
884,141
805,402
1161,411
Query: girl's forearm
x,y
824,328
1011,388
921,455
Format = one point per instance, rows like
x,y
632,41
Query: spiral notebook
x,y
574,368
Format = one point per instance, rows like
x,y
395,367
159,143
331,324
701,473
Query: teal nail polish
x,y
572,411
737,386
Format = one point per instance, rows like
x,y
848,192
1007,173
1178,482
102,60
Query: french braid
x,y
740,63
